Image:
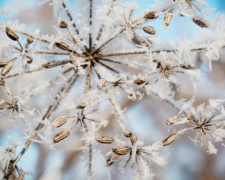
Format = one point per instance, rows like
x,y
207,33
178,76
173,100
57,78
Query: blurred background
x,y
185,161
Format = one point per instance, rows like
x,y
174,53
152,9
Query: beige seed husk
x,y
139,81
63,24
127,133
59,121
3,63
149,30
81,106
133,138
50,64
62,45
110,160
170,139
150,15
59,137
121,151
30,39
185,66
200,23
2,82
173,120
101,83
74,59
7,68
167,18
11,34
105,139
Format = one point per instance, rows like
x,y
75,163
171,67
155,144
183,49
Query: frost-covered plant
x,y
100,52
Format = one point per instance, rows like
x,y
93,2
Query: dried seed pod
x,y
2,82
149,29
133,138
121,151
172,120
170,139
105,139
50,64
30,39
127,133
158,63
29,59
139,81
111,160
150,15
62,45
61,136
7,68
11,34
101,83
63,24
59,121
3,63
81,106
185,66
167,18
200,23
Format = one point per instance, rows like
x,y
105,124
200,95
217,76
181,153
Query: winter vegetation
x,y
71,90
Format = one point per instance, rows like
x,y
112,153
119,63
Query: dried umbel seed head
x,y
59,137
3,63
50,64
59,121
2,82
173,120
200,23
111,160
167,18
149,29
139,81
101,83
7,68
150,15
105,139
133,138
63,24
81,106
11,34
127,133
29,59
121,151
30,39
170,139
62,45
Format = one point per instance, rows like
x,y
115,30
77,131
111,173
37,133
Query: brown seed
x,y
50,64
170,139
3,63
59,121
81,106
2,82
7,68
121,151
105,139
133,138
111,160
172,120
150,15
139,81
11,34
127,133
167,18
185,66
62,45
61,136
158,63
149,29
101,83
200,23
29,59
30,39
63,24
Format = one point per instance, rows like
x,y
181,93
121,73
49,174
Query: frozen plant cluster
x,y
60,88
